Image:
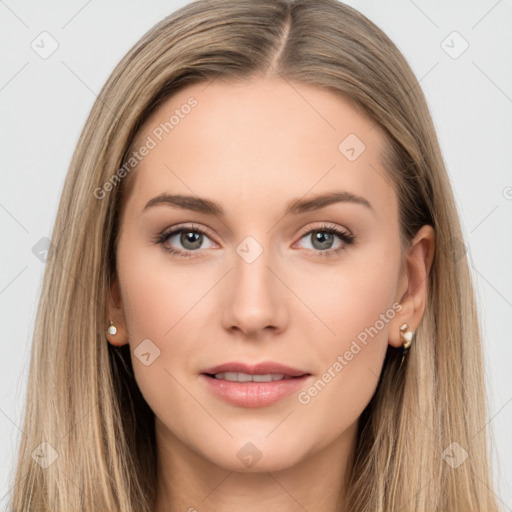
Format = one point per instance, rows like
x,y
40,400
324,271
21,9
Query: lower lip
x,y
254,394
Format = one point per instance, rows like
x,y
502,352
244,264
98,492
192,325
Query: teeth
x,y
246,377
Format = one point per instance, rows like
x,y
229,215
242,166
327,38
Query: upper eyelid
x,y
326,225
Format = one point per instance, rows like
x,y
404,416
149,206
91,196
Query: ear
x,y
116,315
413,284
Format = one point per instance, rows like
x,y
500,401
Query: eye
x,y
323,238
190,238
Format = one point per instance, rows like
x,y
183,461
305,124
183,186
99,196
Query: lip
x,y
254,394
255,369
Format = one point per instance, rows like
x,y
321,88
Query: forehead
x,y
242,142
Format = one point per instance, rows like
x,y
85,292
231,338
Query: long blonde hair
x,y
82,398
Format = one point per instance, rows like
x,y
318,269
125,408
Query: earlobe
x,y
400,332
114,337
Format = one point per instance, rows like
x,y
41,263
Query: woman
x,y
190,352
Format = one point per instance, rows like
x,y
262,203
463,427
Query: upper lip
x,y
255,369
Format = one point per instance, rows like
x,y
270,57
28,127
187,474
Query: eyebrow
x,y
296,206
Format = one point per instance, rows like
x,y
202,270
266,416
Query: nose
x,y
256,296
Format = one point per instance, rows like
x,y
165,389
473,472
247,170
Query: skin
x,y
252,147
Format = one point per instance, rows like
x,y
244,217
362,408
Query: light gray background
x,y
45,103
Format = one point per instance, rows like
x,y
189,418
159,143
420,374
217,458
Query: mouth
x,y
247,377
260,385
267,370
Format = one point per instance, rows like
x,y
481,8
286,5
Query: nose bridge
x,y
254,303
252,276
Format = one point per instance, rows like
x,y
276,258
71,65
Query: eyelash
x,y
347,239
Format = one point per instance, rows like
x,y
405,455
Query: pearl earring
x,y
112,330
406,336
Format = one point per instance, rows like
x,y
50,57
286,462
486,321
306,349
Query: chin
x,y
257,456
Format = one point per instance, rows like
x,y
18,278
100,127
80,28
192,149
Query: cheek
x,y
342,389
356,306
354,301
157,294
163,305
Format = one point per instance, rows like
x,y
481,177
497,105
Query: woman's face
x,y
259,282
